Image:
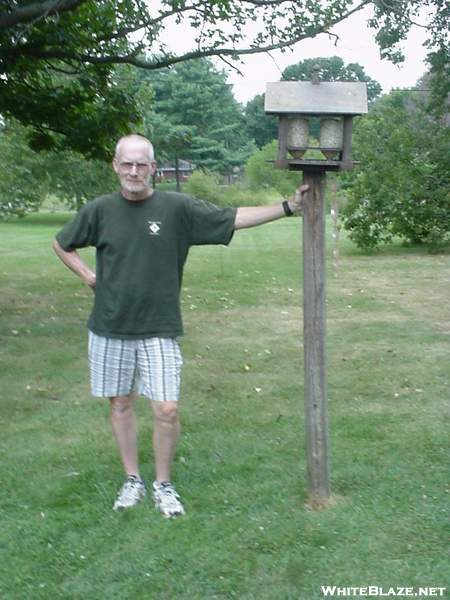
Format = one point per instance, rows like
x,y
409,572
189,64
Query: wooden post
x,y
335,219
314,321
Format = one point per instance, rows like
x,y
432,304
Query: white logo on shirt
x,y
154,227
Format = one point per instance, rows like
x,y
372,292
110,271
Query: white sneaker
x,y
167,501
132,492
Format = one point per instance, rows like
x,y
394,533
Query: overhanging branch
x,y
38,10
158,62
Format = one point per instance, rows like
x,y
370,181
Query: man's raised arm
x,y
250,216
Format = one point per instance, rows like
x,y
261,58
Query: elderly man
x,y
142,237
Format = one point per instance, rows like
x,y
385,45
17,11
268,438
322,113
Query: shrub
x,y
261,172
402,186
205,186
23,181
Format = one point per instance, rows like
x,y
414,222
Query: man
x,y
142,237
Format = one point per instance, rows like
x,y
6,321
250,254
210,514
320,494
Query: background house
x,y
167,172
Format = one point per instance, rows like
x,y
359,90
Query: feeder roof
x,y
326,97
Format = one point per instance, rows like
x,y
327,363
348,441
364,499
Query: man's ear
x,y
115,165
153,167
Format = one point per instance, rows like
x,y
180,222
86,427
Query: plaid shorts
x,y
151,367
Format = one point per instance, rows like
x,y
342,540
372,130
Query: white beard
x,y
134,187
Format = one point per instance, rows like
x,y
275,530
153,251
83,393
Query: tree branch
x,y
147,24
234,67
162,61
398,11
38,10
334,35
264,3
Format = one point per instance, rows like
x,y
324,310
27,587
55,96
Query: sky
x,y
356,44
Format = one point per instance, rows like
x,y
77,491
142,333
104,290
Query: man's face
x,y
134,166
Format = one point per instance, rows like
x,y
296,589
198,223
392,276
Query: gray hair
x,y
137,138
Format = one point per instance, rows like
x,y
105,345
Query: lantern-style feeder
x,y
335,103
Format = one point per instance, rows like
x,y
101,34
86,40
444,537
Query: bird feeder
x,y
335,104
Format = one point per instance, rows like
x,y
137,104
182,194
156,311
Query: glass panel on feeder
x,y
331,137
298,137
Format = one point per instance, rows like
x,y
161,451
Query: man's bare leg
x,y
123,421
166,431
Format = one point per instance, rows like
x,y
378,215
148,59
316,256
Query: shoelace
x,y
130,487
169,491
134,481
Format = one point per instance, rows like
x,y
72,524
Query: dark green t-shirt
x,y
141,250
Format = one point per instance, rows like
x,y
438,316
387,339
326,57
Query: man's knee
x,y
122,404
166,412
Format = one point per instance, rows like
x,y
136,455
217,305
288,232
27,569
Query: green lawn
x,y
241,465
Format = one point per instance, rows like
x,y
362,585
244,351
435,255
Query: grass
x,y
241,464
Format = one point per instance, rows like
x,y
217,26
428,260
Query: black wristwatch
x,y
287,209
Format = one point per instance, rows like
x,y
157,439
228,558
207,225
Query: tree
x,y
260,172
174,141
261,127
196,117
332,69
58,57
80,109
28,177
23,184
393,20
75,179
402,186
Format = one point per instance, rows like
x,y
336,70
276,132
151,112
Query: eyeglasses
x,y
128,166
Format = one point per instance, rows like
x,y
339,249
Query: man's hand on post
x,y
297,202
